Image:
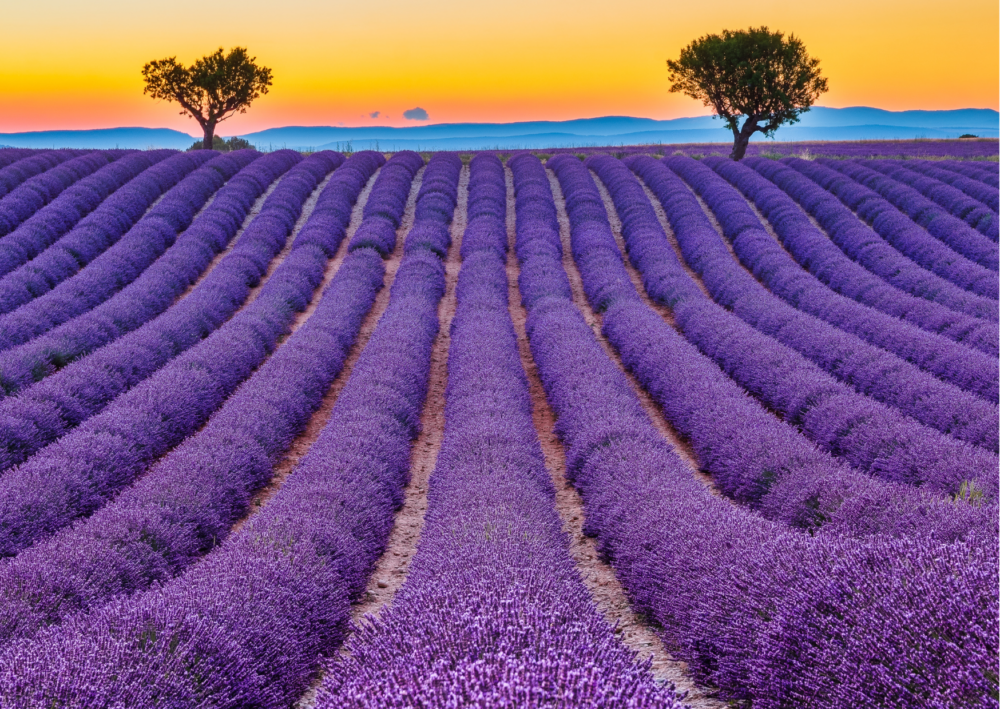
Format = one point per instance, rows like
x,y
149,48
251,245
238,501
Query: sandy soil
x,y
599,577
303,442
391,568
251,215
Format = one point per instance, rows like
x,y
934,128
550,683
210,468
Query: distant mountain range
x,y
857,123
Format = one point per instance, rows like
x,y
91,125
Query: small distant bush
x,y
967,135
224,145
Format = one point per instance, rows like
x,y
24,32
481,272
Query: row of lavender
x,y
76,475
77,385
246,625
492,612
759,610
189,500
752,455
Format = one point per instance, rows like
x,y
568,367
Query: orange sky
x,y
76,65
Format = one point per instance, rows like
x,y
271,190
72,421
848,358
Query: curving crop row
x,y
28,166
864,244
73,248
753,456
900,361
969,200
964,367
186,504
984,174
95,234
55,262
35,193
865,267
79,389
257,613
10,155
114,266
906,235
868,434
63,213
382,215
912,194
77,474
766,614
493,612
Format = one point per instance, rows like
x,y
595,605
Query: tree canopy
x,y
757,74
210,90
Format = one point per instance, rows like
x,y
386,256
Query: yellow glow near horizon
x,y
75,65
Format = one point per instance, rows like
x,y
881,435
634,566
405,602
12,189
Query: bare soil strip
x,y
392,567
594,320
597,575
251,215
303,442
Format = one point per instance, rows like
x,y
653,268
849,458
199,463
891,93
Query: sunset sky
x,y
77,65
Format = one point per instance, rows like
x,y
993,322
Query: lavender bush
x,y
126,258
45,411
188,501
28,166
48,224
77,474
255,615
753,457
916,295
865,432
908,237
766,614
492,612
890,379
971,187
35,193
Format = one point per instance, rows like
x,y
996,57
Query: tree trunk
x,y
741,139
209,137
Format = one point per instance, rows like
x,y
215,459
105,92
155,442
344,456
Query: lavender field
x,y
637,427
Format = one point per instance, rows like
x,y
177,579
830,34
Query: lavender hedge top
x,y
971,370
35,193
893,380
187,502
908,236
752,455
492,612
256,614
867,268
765,614
39,231
24,169
80,389
128,256
77,474
865,432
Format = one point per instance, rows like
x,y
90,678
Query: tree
x,y
755,73
210,90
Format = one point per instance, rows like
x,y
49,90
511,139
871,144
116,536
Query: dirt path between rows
x,y
392,567
597,575
251,215
666,429
304,441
